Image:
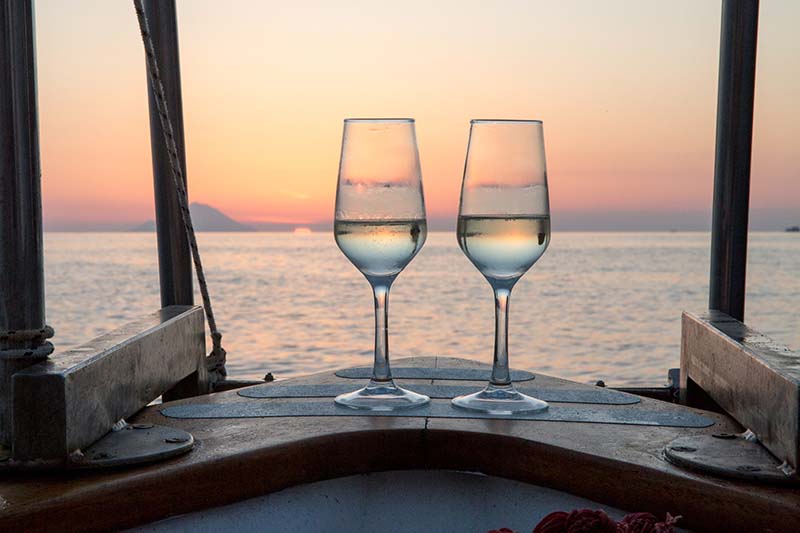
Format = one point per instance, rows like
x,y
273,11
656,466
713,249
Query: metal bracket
x,y
134,444
729,455
125,445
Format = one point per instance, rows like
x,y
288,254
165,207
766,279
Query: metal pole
x,y
174,259
737,73
23,332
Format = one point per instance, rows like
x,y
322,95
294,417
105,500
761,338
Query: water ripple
x,y
597,306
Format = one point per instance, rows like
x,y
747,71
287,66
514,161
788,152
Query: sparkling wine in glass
x,y
380,226
503,228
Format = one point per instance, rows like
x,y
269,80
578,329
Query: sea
x,y
597,306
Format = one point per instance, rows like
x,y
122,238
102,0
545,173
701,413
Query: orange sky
x,y
627,92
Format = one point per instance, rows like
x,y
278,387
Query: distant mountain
x,y
150,225
204,218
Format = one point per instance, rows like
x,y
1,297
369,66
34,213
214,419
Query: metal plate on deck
x,y
135,444
458,374
590,395
730,456
442,409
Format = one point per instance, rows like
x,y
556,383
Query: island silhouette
x,y
208,218
204,218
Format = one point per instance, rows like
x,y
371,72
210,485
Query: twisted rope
x,y
26,335
215,362
37,337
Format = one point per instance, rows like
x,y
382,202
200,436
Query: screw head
x,y
682,449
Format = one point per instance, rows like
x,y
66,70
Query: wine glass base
x,y
500,400
382,396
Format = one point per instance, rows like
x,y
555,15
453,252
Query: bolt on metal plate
x,y
135,444
728,455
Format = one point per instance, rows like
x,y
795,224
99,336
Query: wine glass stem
x,y
380,370
500,373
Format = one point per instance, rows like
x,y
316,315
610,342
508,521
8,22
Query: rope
x,y
24,335
215,362
39,352
42,349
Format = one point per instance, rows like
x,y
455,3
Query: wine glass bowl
x,y
502,247
380,226
503,228
380,249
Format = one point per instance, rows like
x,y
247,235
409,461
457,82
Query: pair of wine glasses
x,y
503,228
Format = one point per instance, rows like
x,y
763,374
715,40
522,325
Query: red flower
x,y
589,521
647,523
553,523
638,523
580,521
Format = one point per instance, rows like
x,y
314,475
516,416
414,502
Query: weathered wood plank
x,y
74,398
749,375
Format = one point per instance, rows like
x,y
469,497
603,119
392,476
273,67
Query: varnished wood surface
x,y
236,459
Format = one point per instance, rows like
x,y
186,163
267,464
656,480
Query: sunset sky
x,y
626,90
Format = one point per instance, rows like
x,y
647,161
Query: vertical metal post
x,y
737,72
23,332
174,259
174,254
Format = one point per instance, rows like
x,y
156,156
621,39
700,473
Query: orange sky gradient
x,y
626,90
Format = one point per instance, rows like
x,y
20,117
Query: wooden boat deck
x,y
239,458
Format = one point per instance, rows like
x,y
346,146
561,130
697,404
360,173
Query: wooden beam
x,y
74,398
753,378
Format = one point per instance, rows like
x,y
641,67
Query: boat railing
x,y
74,398
51,408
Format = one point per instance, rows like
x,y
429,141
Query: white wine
x,y
380,248
503,247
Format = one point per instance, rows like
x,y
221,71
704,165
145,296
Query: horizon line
x,y
311,230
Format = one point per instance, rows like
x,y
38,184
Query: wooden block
x,y
74,398
756,380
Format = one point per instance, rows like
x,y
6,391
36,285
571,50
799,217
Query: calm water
x,y
595,306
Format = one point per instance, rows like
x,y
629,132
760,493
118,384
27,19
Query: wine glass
x,y
503,228
380,226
